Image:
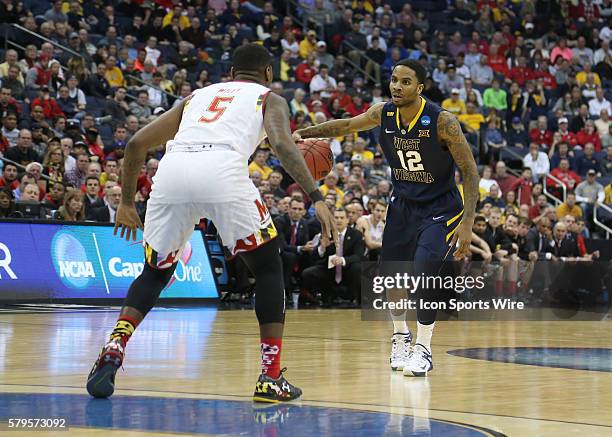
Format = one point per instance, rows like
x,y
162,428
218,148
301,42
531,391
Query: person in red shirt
x,y
566,135
538,208
587,10
145,181
505,181
357,106
306,70
567,177
483,45
49,105
540,134
9,176
498,62
524,187
548,80
43,73
521,73
94,143
588,134
344,99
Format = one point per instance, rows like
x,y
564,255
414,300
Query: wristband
x,y
315,196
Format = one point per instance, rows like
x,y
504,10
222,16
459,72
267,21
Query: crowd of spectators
x,y
528,80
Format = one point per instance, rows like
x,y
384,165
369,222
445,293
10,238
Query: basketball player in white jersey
x,y
209,138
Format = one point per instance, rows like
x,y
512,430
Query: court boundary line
x,y
321,402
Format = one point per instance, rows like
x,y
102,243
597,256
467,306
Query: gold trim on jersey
x,y
260,101
450,234
451,221
414,120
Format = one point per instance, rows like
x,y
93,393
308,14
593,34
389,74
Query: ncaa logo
x,y
70,261
425,120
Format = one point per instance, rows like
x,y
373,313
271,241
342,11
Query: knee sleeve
x,y
146,288
265,264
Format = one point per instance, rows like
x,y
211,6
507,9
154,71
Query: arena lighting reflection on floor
x,y
222,417
594,359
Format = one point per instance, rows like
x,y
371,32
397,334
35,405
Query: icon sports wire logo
x,y
5,262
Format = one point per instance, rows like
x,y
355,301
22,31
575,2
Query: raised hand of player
x,y
328,224
464,237
128,220
296,136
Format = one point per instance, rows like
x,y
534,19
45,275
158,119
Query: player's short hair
x,y
251,57
418,68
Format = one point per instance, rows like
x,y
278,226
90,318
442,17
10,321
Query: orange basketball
x,y
318,156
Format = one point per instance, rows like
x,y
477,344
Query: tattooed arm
x,y
449,132
338,128
152,135
276,123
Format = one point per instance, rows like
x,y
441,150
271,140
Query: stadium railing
x,y
597,220
558,183
21,167
10,29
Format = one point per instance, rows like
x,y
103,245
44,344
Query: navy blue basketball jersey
x,y
422,168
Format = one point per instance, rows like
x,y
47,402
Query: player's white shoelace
x,y
400,350
419,360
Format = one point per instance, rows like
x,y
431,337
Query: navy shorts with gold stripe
x,y
421,231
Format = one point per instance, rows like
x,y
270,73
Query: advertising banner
x,y
39,260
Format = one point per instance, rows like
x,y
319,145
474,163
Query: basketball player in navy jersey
x,y
427,216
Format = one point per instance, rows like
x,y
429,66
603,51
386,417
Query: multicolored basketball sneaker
x,y
273,390
101,379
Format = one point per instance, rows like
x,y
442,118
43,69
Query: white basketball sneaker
x,y
400,350
419,362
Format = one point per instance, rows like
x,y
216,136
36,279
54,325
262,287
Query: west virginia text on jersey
x,y
422,168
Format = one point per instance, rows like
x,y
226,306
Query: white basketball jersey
x,y
225,113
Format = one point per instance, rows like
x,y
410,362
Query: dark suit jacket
x,y
568,248
353,248
283,226
535,241
101,214
89,205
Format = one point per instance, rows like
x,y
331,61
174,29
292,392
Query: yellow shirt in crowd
x,y
114,76
564,209
264,171
455,108
339,194
472,120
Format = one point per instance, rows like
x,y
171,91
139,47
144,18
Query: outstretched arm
x,y
338,128
276,123
449,132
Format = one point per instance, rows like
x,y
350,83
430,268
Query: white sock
x,y
399,323
424,333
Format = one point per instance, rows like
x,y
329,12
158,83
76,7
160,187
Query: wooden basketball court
x,y
191,371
